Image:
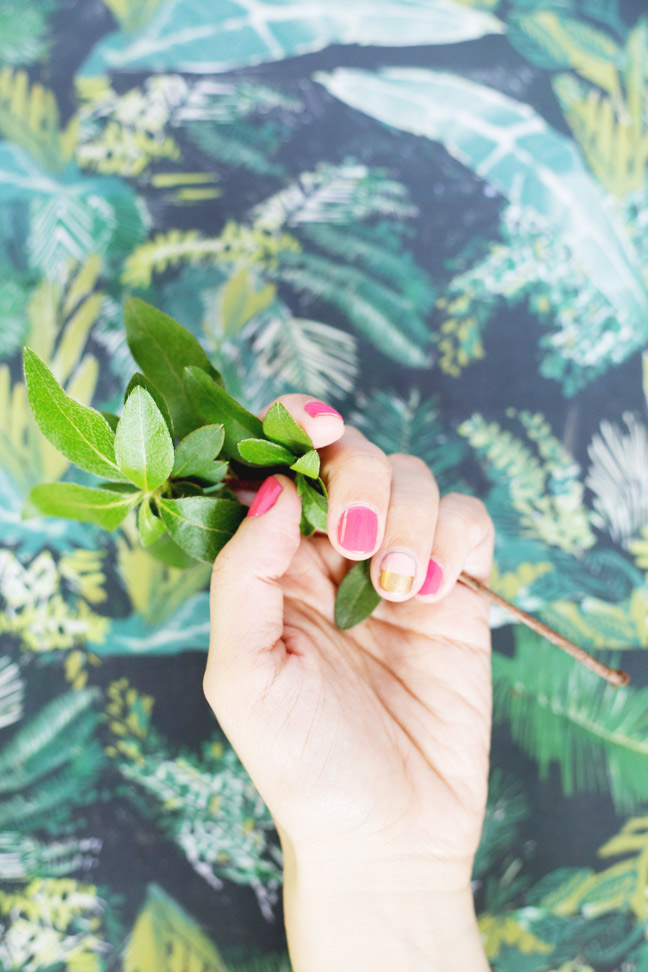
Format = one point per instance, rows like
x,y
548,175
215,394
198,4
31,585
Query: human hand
x,y
375,740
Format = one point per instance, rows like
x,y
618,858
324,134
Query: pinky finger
x,y
464,540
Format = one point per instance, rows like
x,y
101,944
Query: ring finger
x,y
399,566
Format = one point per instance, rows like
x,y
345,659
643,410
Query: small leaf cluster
x,y
181,438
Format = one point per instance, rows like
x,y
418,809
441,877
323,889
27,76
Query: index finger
x,y
320,421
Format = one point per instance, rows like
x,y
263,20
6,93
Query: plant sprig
x,y
180,440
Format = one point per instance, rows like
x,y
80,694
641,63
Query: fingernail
x,y
397,572
433,578
358,529
316,408
266,498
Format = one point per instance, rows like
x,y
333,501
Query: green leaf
x,y
82,434
151,527
118,487
168,552
356,597
162,348
260,452
213,404
240,301
73,502
308,464
184,487
198,449
306,528
202,525
280,426
213,472
314,505
111,419
142,381
143,446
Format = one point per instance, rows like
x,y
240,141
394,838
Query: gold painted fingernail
x,y
397,572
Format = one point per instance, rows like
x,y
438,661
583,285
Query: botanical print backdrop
x,y
434,216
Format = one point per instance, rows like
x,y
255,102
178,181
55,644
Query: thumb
x,y
246,598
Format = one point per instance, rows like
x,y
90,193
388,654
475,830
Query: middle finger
x,y
381,505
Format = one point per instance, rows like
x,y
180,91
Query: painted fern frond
x,y
617,477
52,801
50,756
507,807
238,146
339,194
49,738
412,426
290,354
163,251
380,314
372,247
12,692
23,31
60,319
29,117
542,479
265,963
560,712
23,857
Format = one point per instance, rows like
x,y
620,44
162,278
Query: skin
x,y
369,746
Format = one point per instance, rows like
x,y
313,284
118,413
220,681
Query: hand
x,y
370,743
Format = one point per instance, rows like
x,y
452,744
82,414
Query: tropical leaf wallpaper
x,y
434,215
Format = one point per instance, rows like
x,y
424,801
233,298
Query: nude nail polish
x,y
397,571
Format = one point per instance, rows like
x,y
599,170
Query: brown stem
x,y
615,676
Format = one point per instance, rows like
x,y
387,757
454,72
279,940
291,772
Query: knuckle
x,y
413,463
473,515
368,461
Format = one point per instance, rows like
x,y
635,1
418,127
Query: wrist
x,y
345,913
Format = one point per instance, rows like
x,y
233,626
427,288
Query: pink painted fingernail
x,y
433,578
266,498
358,529
316,408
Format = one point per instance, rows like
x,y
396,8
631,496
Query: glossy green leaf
x,y
280,426
314,505
82,434
166,550
151,527
213,404
213,472
356,598
184,487
142,381
162,348
112,420
260,452
308,464
306,528
118,487
143,446
202,525
100,506
198,449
